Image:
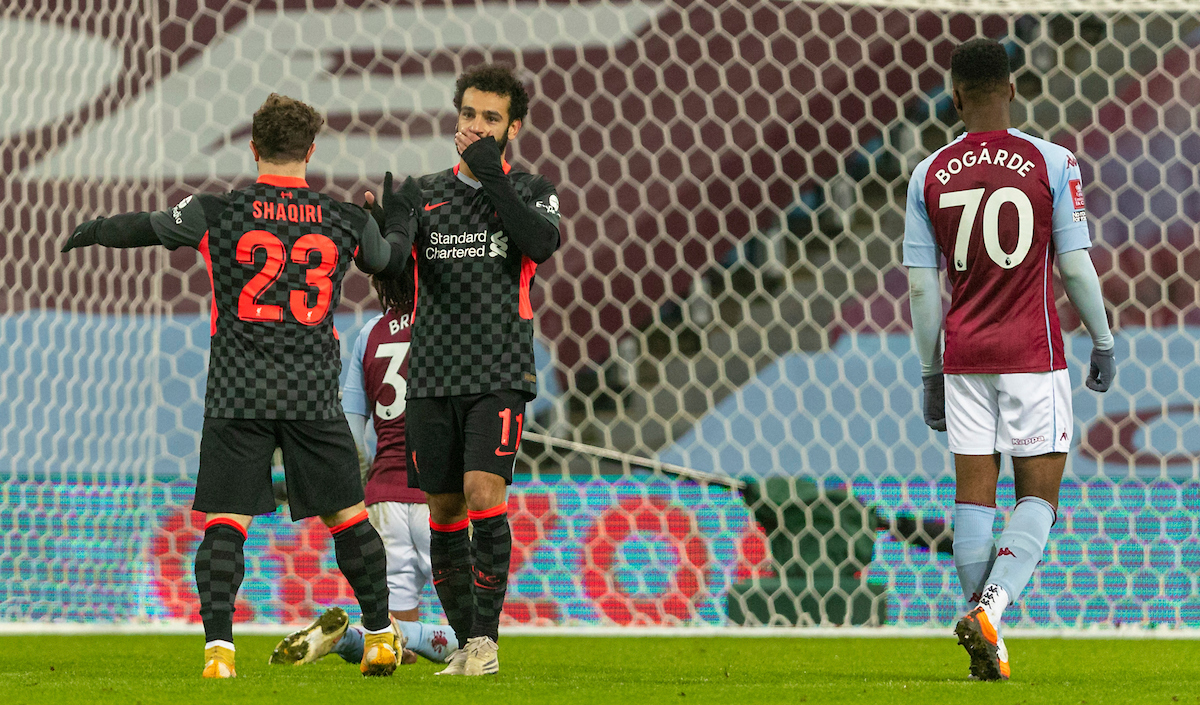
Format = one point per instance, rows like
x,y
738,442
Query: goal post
x,y
727,299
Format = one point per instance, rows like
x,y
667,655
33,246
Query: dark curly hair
x,y
498,79
284,129
980,66
395,294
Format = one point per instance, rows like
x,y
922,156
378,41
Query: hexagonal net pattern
x,y
727,297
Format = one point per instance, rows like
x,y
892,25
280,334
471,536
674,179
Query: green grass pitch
x,y
640,670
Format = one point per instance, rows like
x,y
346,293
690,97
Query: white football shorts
x,y
404,528
1022,414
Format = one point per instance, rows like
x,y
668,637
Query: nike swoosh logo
x,y
431,206
504,452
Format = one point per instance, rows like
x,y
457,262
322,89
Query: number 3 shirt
x,y
998,205
375,386
276,254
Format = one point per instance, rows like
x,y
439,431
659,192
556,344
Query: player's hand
x,y
84,234
372,206
399,206
462,140
1102,370
935,401
483,156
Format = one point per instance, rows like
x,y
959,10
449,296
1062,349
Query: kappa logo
x,y
1005,552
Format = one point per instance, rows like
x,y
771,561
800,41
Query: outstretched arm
x,y
124,230
1083,289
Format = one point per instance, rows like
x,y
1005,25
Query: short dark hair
x,y
498,79
980,66
395,294
284,129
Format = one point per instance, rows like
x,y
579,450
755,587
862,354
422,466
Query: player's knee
x,y
447,508
344,515
483,490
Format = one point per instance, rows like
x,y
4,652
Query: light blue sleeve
x,y
1066,190
920,248
354,395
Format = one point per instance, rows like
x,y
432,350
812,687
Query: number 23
x,y
250,308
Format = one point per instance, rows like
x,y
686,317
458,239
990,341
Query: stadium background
x,y
727,297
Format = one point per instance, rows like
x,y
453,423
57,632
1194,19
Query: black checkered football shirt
x,y
473,323
276,253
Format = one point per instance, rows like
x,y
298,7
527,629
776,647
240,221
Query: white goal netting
x,y
728,296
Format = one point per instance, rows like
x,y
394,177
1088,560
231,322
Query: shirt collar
x,y
472,182
282,181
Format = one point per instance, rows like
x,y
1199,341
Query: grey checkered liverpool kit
x,y
473,326
276,252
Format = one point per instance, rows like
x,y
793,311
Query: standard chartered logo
x,y
464,245
499,244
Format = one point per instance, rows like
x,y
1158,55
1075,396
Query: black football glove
x,y
935,401
399,206
376,211
1102,370
85,234
484,158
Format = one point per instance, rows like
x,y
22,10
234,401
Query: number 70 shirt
x,y
276,253
998,206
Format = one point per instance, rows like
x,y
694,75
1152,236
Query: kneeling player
x,y
1001,206
377,380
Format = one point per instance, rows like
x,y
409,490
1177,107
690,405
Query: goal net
x,y
727,301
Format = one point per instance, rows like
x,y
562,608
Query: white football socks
x,y
974,547
1018,552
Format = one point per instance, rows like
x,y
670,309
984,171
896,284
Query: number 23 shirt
x,y
276,253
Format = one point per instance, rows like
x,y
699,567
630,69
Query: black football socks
x,y
220,567
492,549
450,556
362,559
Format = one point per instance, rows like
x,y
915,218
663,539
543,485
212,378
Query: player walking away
x,y
479,231
375,384
1000,205
276,253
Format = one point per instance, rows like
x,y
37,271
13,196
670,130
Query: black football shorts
x,y
449,436
320,463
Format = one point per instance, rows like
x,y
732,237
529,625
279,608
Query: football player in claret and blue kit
x,y
1000,206
375,387
478,232
276,253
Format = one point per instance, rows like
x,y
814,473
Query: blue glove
x,y
935,401
1102,370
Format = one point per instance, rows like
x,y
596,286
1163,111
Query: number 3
x,y
250,308
395,354
969,200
